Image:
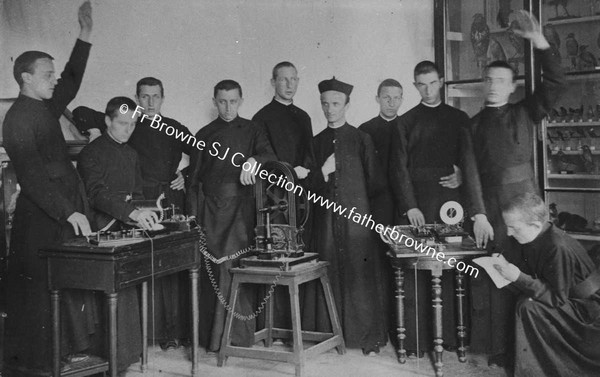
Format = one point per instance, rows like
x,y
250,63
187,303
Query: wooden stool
x,y
297,275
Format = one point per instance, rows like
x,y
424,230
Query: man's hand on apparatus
x,y
483,230
247,177
80,224
415,216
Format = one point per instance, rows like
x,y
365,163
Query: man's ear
x,y
273,83
107,121
214,100
377,99
26,77
241,102
442,81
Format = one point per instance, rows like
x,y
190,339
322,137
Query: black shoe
x,y
185,342
449,348
499,360
412,354
371,351
169,345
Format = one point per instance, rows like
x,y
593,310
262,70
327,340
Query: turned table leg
x,y
400,311
436,290
461,329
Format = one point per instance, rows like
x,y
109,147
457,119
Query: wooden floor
x,y
353,364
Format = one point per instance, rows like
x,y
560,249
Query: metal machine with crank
x,y
281,212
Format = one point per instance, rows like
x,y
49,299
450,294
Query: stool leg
x,y
460,326
400,311
297,329
269,321
335,321
226,339
144,363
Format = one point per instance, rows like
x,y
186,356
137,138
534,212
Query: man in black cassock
x,y
558,312
503,135
159,153
389,99
221,196
347,173
50,209
430,146
289,130
111,172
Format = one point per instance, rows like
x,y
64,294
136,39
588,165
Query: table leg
x,y
55,303
461,329
269,320
111,300
400,311
194,273
436,288
144,364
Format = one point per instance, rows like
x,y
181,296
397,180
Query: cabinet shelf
x,y
574,20
585,236
570,153
574,176
573,124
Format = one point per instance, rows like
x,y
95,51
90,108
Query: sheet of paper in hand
x,y
488,264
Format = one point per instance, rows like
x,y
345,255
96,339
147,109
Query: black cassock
x,y
426,143
159,153
226,210
111,172
289,131
51,191
382,205
349,247
503,144
556,333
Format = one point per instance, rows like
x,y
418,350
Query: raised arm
x,y
71,77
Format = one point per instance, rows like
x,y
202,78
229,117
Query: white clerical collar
x,y
386,118
283,103
432,106
496,104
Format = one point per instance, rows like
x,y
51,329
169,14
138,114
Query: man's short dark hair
x,y
501,64
227,85
282,65
529,205
113,106
388,83
150,81
26,62
425,67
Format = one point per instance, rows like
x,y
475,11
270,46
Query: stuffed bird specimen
x,y
553,38
557,3
480,38
503,12
587,60
572,49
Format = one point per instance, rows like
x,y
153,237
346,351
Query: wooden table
x,y
401,261
80,265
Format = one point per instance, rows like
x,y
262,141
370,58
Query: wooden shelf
x,y
585,236
573,189
569,153
574,20
573,124
574,176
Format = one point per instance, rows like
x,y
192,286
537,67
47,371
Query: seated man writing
x,y
111,173
558,314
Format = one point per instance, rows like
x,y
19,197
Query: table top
x,y
80,245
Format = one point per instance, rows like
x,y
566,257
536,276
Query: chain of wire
x,y
209,257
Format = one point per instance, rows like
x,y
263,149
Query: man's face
x,y
429,86
521,231
121,126
150,98
498,85
228,103
286,83
334,106
389,100
42,81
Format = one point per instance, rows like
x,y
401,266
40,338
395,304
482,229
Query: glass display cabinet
x,y
469,34
571,133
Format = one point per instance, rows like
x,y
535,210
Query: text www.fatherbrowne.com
x,y
217,151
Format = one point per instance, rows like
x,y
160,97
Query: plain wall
x,y
192,44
